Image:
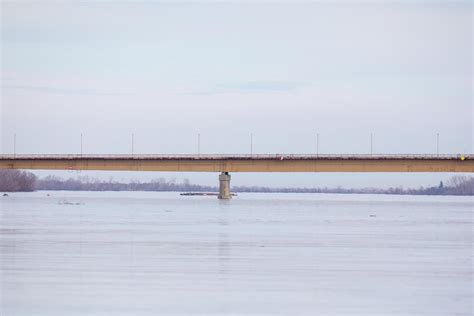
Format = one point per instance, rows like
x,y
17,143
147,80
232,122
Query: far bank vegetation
x,y
23,181
17,180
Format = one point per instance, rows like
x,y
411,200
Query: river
x,y
144,253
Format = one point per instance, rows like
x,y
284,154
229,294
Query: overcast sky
x,y
164,71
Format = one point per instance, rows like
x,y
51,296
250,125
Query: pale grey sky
x,y
283,71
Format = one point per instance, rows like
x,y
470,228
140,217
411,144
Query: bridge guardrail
x,y
235,156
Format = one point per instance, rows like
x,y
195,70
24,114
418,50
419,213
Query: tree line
x,y
456,185
16,180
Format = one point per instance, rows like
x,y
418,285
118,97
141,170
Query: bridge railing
x,y
235,156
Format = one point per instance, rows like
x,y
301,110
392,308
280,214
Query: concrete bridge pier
x,y
224,186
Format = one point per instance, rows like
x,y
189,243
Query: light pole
x,y
14,145
371,143
251,144
317,144
437,144
199,144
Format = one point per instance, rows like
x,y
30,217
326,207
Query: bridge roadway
x,y
243,163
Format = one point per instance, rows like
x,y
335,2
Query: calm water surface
x,y
132,253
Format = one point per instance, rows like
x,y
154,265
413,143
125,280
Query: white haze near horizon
x,y
401,70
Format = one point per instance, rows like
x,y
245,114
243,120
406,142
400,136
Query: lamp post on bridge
x,y
14,145
199,144
437,144
317,144
371,143
251,144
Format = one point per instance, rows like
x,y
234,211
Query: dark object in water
x,y
202,194
66,202
5,194
199,194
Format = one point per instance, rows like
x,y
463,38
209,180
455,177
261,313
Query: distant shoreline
x,y
458,185
20,181
234,193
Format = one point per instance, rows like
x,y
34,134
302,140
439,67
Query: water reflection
x,y
223,242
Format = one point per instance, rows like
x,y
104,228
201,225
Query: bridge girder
x,y
273,163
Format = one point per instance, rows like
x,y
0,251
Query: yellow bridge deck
x,y
244,163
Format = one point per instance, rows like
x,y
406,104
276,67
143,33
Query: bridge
x,y
224,164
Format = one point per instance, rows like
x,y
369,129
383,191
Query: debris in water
x,y
66,202
202,194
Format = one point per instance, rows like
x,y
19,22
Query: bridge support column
x,y
224,186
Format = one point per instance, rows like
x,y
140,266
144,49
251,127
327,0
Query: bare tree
x,y
17,180
461,185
